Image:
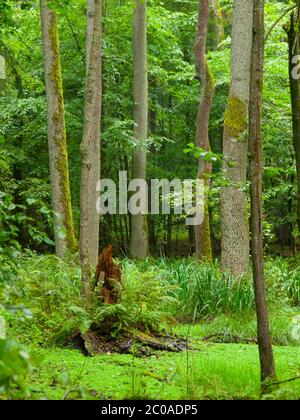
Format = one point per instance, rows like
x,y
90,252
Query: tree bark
x,y
256,169
203,73
139,240
90,147
215,28
294,49
57,142
234,216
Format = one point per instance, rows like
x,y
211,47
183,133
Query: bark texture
x,y
203,73
58,154
139,236
294,49
90,147
110,274
256,169
234,217
215,28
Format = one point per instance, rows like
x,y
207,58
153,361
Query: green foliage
x,y
211,371
51,290
203,291
292,286
284,280
145,297
10,217
15,367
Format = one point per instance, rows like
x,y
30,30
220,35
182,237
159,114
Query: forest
x,y
149,200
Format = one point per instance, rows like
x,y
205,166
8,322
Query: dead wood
x,y
110,274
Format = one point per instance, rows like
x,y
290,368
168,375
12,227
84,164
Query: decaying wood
x,y
110,274
161,343
141,344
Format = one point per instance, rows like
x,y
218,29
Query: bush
x,y
283,281
15,366
145,297
292,287
51,290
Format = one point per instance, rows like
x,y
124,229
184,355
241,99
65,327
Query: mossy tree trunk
x,y
90,146
2,78
234,216
202,232
256,169
294,49
215,27
139,236
58,154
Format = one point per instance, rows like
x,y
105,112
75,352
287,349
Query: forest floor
x,y
210,371
45,309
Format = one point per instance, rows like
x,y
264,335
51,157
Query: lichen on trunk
x,y
234,215
57,141
203,73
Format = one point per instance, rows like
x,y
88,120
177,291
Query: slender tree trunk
x,y
256,169
2,74
203,73
234,216
90,146
2,78
139,240
215,28
58,153
294,49
169,235
2,68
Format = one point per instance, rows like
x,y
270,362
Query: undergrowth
x,y
43,296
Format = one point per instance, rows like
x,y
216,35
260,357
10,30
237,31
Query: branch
x,y
278,20
75,37
283,382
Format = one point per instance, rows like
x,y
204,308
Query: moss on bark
x,y
236,119
59,137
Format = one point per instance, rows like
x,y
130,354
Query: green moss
x,y
60,137
236,118
210,82
214,372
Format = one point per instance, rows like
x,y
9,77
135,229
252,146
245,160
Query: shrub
x,y
15,366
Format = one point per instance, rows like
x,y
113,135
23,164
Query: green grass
x,y
214,371
155,293
236,329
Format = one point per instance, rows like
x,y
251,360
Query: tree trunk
x,y
256,169
90,147
294,49
202,232
58,153
2,74
234,216
139,240
215,28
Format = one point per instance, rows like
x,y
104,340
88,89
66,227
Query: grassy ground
x,y
213,371
45,309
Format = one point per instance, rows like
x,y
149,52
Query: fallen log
x,y
138,343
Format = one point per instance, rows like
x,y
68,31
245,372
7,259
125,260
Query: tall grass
x,y
202,290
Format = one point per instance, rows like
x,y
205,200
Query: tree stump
x,y
110,274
